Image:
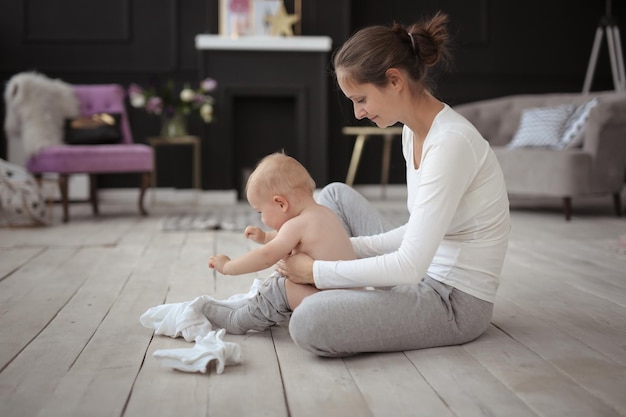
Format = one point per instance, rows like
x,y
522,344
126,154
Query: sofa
x,y
543,167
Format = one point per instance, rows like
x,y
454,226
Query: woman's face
x,y
369,101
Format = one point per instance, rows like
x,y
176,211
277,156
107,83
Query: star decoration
x,y
282,22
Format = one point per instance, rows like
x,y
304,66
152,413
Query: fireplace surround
x,y
271,96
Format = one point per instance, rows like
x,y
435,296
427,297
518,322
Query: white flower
x,y
206,112
187,95
137,100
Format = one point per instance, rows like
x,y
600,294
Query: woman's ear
x,y
281,201
395,78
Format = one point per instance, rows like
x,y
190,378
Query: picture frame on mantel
x,y
247,17
262,9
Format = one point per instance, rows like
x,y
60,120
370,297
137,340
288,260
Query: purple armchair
x,y
125,157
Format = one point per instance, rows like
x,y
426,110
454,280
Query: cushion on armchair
x,y
95,129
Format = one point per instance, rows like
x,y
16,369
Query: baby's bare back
x,y
323,236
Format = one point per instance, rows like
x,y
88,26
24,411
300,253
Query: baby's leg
x,y
267,308
298,292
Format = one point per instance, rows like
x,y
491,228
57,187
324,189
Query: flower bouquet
x,y
174,106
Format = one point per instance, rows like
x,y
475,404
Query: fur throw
x,y
36,109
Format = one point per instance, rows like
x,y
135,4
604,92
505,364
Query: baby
x,y
281,189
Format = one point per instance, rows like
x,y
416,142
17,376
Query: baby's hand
x,y
255,233
218,261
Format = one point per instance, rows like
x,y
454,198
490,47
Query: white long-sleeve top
x,y
458,228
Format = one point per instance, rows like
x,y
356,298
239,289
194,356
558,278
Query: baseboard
x,y
170,196
174,196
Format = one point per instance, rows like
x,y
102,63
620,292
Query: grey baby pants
x,y
345,322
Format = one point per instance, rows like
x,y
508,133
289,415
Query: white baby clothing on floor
x,y
197,359
186,319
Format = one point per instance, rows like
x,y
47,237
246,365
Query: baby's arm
x,y
258,235
218,262
281,245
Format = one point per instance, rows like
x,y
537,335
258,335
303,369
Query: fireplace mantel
x,y
271,96
264,43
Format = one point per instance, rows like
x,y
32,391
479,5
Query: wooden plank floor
x,y
71,343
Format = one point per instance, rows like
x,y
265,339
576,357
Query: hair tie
x,y
412,43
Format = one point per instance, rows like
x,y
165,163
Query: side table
x,y
194,141
362,133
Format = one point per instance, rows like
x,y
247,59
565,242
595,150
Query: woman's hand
x,y
296,268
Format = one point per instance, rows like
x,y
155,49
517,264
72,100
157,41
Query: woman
x,y
436,277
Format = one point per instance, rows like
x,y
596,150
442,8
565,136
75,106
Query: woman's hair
x,y
371,51
280,174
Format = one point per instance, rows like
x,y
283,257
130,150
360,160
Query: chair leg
x,y
617,203
145,183
567,207
93,193
49,201
63,188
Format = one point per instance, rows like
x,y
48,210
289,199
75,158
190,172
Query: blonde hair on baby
x,y
280,174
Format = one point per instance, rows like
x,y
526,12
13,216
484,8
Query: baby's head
x,y
277,183
279,174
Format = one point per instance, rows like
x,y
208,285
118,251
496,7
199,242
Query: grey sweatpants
x,y
346,322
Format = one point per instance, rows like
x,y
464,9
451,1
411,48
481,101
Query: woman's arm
x,y
446,171
367,246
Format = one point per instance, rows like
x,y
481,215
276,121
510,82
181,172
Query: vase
x,y
174,126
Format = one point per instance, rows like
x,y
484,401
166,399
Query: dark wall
x,y
501,48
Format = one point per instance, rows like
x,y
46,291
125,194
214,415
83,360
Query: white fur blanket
x,y
36,109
